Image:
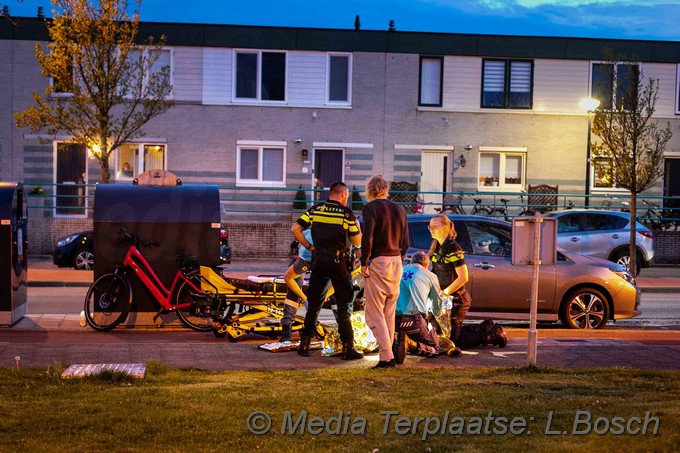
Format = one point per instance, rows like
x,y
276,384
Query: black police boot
x,y
285,333
303,348
349,353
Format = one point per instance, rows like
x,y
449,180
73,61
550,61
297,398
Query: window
x,y
603,172
431,74
501,170
63,87
260,165
132,159
135,57
339,81
607,76
507,84
261,76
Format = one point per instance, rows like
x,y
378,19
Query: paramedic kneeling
x,y
332,223
418,293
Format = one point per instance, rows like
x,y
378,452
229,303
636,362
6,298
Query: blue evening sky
x,y
624,19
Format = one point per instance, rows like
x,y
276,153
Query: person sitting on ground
x,y
418,294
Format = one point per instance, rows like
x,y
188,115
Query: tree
x,y
106,86
628,142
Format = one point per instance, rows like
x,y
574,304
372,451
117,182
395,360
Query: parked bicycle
x,y
521,210
452,204
656,218
110,297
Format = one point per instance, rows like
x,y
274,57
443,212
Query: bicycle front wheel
x,y
189,316
108,302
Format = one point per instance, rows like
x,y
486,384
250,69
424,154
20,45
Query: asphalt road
x,y
658,309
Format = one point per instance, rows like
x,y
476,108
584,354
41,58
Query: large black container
x,y
183,220
13,253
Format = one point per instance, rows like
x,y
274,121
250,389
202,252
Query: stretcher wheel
x,y
219,334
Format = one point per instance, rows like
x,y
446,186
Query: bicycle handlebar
x,y
135,240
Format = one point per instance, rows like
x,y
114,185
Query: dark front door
x,y
70,179
327,170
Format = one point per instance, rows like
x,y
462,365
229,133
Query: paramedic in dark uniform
x,y
332,223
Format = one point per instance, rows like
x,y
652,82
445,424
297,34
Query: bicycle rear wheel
x,y
108,302
189,316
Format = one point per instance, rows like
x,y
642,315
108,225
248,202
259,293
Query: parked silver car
x,y
583,292
602,234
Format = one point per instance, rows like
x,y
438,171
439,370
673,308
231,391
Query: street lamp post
x,y
589,105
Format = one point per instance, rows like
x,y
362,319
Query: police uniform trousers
x,y
330,268
463,336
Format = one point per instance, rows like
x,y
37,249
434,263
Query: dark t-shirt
x,y
444,261
384,229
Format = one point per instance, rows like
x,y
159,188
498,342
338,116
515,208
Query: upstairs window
x,y
261,76
431,76
611,84
507,84
137,59
339,80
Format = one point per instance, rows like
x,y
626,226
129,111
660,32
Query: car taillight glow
x,y
647,234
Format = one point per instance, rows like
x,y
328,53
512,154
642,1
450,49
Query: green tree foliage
x,y
628,139
106,83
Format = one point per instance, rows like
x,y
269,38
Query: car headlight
x,y
624,274
67,240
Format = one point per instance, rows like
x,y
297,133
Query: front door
x,y
328,166
70,178
434,177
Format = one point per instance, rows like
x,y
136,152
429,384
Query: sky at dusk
x,y
619,19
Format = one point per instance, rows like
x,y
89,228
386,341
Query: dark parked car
x,y
583,292
76,250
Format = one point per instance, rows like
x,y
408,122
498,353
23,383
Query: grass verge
x,y
350,410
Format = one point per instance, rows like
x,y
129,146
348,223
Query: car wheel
x,y
84,261
585,308
622,257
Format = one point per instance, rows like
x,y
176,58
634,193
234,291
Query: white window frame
x,y
602,189
328,78
260,145
258,76
55,214
139,164
503,153
145,76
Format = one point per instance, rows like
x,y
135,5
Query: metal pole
x,y
533,311
587,201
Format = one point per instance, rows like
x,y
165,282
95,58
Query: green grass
x,y
194,410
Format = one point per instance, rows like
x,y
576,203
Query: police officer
x,y
332,223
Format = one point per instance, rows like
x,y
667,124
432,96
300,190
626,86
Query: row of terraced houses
x,y
278,108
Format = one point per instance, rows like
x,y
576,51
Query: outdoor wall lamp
x,y
468,147
462,160
305,154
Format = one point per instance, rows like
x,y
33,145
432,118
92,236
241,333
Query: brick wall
x,y
262,240
667,247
